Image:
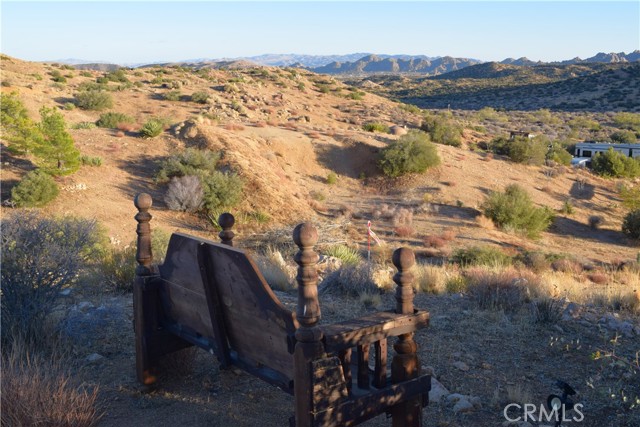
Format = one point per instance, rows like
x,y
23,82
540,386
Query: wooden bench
x,y
213,296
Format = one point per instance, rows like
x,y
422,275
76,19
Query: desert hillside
x,y
511,312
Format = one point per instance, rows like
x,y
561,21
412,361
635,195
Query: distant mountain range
x,y
363,63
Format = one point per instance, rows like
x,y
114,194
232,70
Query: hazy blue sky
x,y
133,32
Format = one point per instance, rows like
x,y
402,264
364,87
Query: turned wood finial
x,y
144,256
404,259
226,221
305,237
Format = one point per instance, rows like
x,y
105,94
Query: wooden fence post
x,y
144,303
226,221
405,364
308,346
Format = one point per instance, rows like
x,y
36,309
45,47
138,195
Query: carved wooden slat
x,y
363,366
214,305
345,361
380,371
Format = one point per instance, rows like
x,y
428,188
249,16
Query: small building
x,y
520,133
589,149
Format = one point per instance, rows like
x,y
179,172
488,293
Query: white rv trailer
x,y
589,149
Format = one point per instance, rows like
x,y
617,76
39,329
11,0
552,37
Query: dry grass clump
x,y
504,289
36,391
233,126
436,242
567,265
404,231
484,222
352,281
432,278
275,270
598,278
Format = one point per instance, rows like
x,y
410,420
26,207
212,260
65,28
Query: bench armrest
x,y
372,328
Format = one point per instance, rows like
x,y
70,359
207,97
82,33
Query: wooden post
x,y
405,364
144,307
309,345
226,221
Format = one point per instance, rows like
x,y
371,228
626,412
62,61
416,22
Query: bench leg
x,y
145,324
405,367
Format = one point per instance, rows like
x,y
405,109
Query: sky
x,y
153,31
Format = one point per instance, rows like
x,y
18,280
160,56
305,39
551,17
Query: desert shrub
x,y
631,224
152,128
546,311
275,271
41,256
595,221
567,208
93,100
184,194
35,189
567,265
173,95
623,137
113,119
481,255
200,97
629,121
499,145
332,178
506,289
559,154
347,255
376,127
188,162
91,161
430,278
69,106
84,125
351,281
118,76
536,261
532,151
615,164
412,153
38,391
514,210
220,189
456,284
630,197
436,242
442,130
584,123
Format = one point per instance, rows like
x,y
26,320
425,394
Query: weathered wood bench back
x,y
213,296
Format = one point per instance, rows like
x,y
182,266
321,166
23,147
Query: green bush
x,y
412,153
559,154
220,189
57,154
482,255
630,197
532,151
376,127
113,119
442,130
93,100
173,95
631,224
615,164
152,128
332,178
347,255
69,106
623,137
200,97
84,125
91,161
18,129
514,210
36,189
629,121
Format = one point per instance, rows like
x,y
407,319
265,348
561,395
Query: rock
x,y
476,402
572,311
461,365
463,406
454,398
84,306
94,357
428,370
397,130
437,392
